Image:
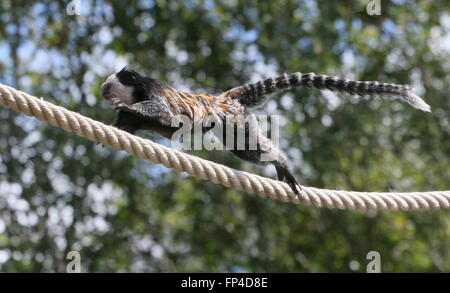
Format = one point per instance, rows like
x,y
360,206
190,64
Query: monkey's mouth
x,y
110,97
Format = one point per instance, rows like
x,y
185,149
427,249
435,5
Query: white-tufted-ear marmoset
x,y
146,103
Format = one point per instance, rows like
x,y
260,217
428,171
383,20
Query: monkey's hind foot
x,y
286,176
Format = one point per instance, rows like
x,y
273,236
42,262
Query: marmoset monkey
x,y
146,103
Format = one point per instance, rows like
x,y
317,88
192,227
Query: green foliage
x,y
59,192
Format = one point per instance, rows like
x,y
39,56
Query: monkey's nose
x,y
106,89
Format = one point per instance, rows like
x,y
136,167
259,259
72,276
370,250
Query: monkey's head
x,y
127,85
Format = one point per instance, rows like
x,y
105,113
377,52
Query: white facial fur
x,y
118,90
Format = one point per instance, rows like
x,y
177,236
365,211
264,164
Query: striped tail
x,y
253,94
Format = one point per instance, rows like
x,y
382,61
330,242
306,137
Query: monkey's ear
x,y
130,73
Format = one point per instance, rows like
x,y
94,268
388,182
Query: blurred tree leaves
x,y
59,192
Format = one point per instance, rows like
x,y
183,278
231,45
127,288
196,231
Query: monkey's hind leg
x,y
266,153
285,175
283,171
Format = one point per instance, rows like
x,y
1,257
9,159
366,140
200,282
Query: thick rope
x,y
207,170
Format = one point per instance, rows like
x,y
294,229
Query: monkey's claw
x,y
285,175
119,105
296,188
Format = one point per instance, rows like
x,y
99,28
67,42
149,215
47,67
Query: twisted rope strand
x,y
210,171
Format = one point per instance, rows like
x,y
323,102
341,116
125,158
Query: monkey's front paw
x,y
119,105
